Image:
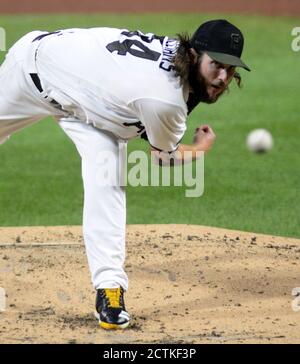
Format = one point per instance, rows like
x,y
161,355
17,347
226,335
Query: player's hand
x,y
204,137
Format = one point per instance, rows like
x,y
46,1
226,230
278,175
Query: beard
x,y
199,86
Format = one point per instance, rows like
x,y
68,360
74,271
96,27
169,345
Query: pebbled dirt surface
x,y
188,284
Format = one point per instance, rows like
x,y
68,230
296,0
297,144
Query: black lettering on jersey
x,y
137,124
166,66
168,55
130,45
144,37
126,47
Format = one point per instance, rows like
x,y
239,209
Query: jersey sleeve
x,y
165,123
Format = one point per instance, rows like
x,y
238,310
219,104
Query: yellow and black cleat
x,y
111,310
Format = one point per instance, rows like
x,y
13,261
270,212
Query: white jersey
x,y
117,80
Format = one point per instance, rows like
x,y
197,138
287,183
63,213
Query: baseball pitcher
x,y
105,86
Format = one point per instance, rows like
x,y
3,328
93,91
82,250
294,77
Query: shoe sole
x,y
107,326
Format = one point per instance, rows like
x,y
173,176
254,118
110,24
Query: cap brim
x,y
228,59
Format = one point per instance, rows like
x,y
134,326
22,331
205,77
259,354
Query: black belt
x,y
37,82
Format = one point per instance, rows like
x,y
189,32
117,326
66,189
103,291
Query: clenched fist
x,y
204,137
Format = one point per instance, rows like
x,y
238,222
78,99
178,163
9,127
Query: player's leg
x,y
20,102
12,117
104,219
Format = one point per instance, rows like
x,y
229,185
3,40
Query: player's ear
x,y
193,55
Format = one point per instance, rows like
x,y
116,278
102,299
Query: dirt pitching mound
x,y
188,284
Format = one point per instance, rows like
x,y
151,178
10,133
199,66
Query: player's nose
x,y
223,75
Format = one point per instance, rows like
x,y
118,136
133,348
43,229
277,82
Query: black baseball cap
x,y
221,40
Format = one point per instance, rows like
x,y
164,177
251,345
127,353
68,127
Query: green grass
x,y
40,181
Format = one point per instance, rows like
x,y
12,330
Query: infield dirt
x,y
188,284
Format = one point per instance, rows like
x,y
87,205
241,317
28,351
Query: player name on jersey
x,y
168,54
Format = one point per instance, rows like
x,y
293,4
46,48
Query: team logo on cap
x,y
235,40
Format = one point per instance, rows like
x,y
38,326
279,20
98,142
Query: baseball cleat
x,y
111,310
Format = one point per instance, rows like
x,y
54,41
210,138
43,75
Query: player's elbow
x,y
164,159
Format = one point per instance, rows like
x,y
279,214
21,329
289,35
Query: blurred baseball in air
x,y
259,141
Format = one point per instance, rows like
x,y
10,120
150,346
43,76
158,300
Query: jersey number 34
x,y
135,47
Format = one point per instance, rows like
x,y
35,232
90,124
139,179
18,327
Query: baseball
x,y
259,141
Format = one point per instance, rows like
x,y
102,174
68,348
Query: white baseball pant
x,y
104,214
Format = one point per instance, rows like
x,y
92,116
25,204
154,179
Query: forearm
x,y
184,154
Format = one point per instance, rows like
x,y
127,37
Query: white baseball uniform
x,y
104,86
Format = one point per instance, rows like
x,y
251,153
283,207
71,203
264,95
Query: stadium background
x,y
40,175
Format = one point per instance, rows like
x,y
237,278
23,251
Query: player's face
x,y
217,76
213,78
